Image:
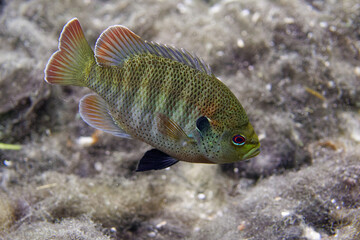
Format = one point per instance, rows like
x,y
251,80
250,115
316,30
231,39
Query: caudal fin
x,y
71,63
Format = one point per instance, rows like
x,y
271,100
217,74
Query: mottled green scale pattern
x,y
146,85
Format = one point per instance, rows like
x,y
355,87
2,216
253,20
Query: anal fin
x,y
155,160
94,111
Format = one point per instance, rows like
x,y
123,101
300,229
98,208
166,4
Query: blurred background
x,y
294,66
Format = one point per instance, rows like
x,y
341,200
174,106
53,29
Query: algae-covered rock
x,y
80,229
294,66
7,213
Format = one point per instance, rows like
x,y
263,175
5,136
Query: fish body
x,y
161,95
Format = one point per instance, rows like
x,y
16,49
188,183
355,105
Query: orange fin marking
x,y
94,111
116,44
66,66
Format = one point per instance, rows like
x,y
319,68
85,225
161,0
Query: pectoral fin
x,y
170,128
155,160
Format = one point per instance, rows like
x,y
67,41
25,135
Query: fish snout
x,y
252,153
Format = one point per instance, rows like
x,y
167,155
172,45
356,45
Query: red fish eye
x,y
238,140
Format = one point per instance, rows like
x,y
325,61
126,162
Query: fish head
x,y
238,144
230,144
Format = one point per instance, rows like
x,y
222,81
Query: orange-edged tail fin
x,y
71,63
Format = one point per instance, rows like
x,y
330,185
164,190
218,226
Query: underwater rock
x,y
294,65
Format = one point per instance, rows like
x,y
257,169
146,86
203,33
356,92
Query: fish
x,y
162,95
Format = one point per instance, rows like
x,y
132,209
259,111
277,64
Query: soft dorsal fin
x,y
94,111
117,43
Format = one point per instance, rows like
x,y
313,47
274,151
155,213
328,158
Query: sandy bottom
x,y
294,66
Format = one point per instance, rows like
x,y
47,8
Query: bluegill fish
x,y
159,94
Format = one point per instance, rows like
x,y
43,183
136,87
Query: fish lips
x,y
252,153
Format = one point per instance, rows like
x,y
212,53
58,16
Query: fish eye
x,y
238,140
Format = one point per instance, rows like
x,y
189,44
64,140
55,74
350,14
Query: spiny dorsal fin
x,y
117,43
180,55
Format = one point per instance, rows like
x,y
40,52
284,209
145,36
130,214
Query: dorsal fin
x,y
180,55
117,43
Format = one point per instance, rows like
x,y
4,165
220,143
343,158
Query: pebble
x,y
357,71
240,43
289,20
161,224
311,234
7,163
245,12
85,141
268,86
201,196
241,226
255,17
285,213
323,24
98,166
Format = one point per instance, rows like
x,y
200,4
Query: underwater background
x,y
294,66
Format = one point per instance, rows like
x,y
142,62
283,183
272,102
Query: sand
x,y
294,66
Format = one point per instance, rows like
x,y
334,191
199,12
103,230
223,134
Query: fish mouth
x,y
252,153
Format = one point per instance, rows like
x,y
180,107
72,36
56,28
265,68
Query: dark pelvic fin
x,y
155,160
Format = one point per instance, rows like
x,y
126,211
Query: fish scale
x,y
161,95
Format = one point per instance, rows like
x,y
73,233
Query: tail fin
x,y
70,64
